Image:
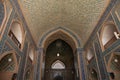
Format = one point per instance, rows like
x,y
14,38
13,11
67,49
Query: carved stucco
x,y
80,16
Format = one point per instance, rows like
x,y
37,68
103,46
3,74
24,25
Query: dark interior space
x,y
59,53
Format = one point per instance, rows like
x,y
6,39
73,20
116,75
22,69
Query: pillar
x,y
38,66
81,67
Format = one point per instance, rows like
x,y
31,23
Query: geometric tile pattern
x,y
79,16
1,13
6,48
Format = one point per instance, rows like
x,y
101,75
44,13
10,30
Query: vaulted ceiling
x,y
79,16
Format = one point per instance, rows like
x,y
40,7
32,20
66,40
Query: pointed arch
x,y
17,33
108,34
54,34
10,55
58,65
60,33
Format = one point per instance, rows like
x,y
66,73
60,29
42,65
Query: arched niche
x,y
89,54
109,34
17,33
113,66
58,65
8,65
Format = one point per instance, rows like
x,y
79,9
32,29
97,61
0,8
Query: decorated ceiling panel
x,y
79,16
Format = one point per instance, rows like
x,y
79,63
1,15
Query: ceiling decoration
x,y
79,16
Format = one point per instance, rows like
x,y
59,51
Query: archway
x,y
69,38
62,64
